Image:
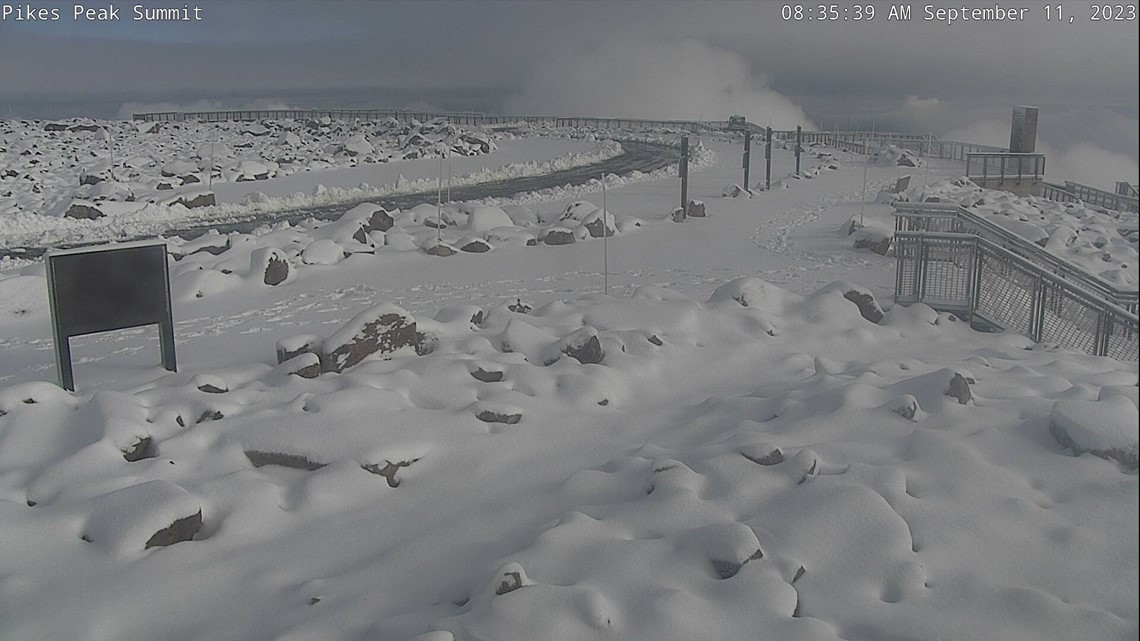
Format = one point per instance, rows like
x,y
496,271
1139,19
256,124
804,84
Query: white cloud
x,y
1091,165
656,79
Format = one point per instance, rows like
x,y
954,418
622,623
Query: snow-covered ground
x,y
44,178
742,438
48,165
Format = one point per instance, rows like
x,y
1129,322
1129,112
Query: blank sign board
x,y
99,289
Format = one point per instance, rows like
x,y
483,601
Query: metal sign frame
x,y
63,313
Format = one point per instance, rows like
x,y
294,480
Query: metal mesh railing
x,y
1119,337
1005,294
990,285
936,269
944,217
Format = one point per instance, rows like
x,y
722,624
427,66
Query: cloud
x,y
654,79
1091,165
914,103
984,132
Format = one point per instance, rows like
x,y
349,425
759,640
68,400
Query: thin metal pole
x,y
605,242
929,145
863,204
684,174
111,149
747,156
768,158
439,203
799,143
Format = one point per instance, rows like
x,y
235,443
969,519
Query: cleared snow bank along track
x,y
635,156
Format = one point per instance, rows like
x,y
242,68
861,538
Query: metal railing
x,y
1076,192
404,115
1002,169
992,286
857,141
951,218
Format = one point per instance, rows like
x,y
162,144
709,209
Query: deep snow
x,y
752,457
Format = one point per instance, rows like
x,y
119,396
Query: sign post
x,y
101,289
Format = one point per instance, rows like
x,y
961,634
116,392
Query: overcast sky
x,y
681,59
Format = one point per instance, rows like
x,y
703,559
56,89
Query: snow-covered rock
x,y
384,330
1106,428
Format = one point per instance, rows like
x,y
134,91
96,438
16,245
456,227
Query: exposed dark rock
x,y
380,220
519,307
484,376
959,389
558,236
295,461
772,456
143,448
487,416
695,209
881,245
384,334
511,582
196,200
729,569
583,345
183,529
83,210
85,179
288,348
868,307
212,389
799,574
441,249
599,227
210,415
311,368
388,470
276,271
656,341
476,246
